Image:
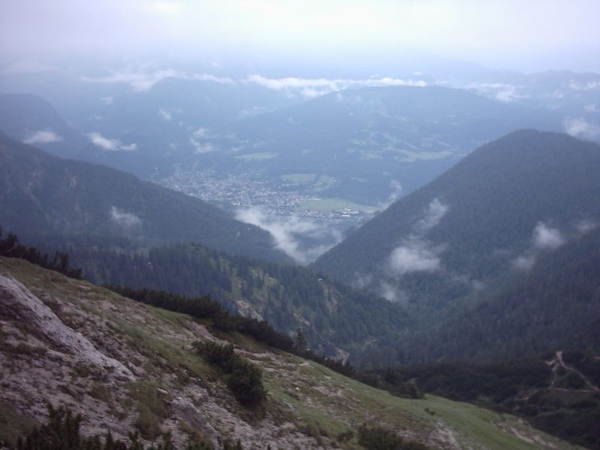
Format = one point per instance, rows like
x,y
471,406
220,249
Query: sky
x,y
531,35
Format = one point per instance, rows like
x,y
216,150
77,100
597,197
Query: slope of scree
x,y
126,366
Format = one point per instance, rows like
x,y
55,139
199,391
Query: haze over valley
x,y
315,224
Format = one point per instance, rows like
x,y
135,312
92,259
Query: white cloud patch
x,y
584,86
499,91
165,114
524,262
314,87
581,128
414,257
303,240
168,113
416,254
433,216
392,293
110,145
144,77
546,237
197,137
124,219
395,194
46,136
202,147
585,226
201,132
107,100
211,78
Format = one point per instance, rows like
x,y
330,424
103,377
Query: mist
x,y
303,240
287,34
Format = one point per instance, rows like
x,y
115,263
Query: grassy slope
x,y
308,405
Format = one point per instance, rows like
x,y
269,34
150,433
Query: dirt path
x,y
559,359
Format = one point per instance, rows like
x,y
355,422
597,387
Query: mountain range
x,y
448,257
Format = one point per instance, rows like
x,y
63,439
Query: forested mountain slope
x,y
41,193
336,320
526,193
29,118
553,306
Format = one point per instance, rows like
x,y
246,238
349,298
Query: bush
x,y
244,378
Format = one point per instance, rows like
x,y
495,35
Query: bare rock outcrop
x,y
18,302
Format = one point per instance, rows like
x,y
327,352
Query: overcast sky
x,y
529,35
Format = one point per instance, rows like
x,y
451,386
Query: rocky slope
x,y
126,366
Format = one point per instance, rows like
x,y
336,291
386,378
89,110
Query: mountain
x,y
337,321
556,392
125,366
31,119
42,194
358,144
464,238
554,305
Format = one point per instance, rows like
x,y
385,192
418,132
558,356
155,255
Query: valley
x,y
273,225
295,195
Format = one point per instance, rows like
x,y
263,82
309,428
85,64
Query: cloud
x,y
46,136
110,145
585,226
499,91
124,219
202,147
587,86
415,254
211,78
144,77
435,212
414,257
545,237
314,87
524,262
303,240
392,293
107,100
396,193
201,132
26,67
167,113
581,128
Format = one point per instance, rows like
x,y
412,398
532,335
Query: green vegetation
x,y
379,438
315,400
244,379
331,314
62,432
301,178
11,248
335,204
551,398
